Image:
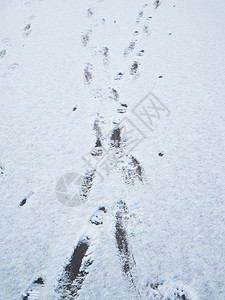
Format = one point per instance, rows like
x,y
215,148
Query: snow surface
x,y
176,224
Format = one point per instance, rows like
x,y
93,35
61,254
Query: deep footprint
x,y
75,272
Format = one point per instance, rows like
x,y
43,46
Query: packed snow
x,y
112,168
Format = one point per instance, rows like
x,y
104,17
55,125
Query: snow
x,y
176,221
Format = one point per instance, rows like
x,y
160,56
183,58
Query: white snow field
x,y
112,167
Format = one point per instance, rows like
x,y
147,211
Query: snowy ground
x,y
73,75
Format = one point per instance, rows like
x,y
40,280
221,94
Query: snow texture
x,y
130,95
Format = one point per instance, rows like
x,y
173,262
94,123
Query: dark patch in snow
x,y
97,151
105,51
124,105
157,3
141,53
161,154
40,280
2,169
134,68
155,286
119,76
27,27
75,272
23,202
116,138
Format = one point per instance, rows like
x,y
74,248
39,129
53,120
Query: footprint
x,y
2,53
160,290
124,248
74,274
140,53
130,48
105,53
157,3
98,217
35,290
13,67
140,15
134,68
132,170
121,110
6,75
27,27
29,19
119,76
26,198
6,42
90,12
2,170
114,94
88,73
85,37
87,185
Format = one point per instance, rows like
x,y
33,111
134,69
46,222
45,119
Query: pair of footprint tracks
x,y
130,166
75,272
143,23
7,44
